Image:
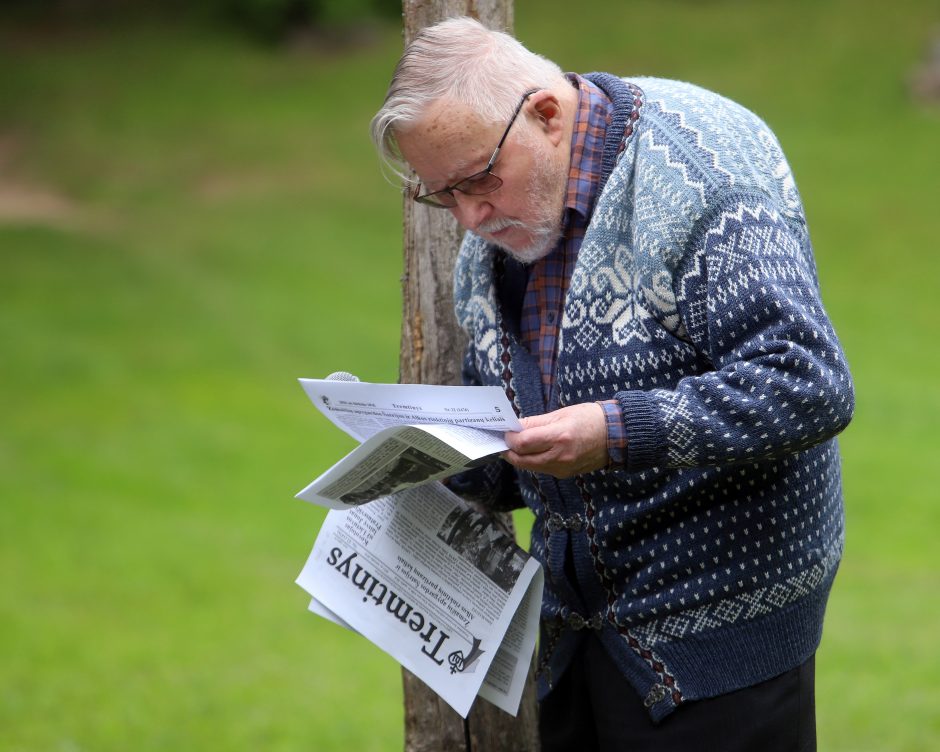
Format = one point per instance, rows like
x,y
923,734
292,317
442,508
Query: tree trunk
x,y
431,351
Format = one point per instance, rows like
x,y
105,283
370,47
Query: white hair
x,y
464,62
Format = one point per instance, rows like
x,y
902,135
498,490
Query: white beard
x,y
542,239
546,194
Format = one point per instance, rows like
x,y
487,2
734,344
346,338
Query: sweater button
x,y
656,694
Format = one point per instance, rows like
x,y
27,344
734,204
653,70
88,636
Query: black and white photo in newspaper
x,y
401,457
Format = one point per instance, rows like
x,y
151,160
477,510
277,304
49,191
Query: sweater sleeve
x,y
747,293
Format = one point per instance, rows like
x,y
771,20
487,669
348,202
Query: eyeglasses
x,y
479,183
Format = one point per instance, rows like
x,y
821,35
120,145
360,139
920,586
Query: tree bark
x,y
431,350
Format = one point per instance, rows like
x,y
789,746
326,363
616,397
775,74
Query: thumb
x,y
533,421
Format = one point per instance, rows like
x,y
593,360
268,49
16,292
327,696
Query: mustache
x,y
496,225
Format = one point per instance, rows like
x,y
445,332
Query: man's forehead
x,y
451,138
445,112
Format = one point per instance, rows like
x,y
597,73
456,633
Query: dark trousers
x,y
594,708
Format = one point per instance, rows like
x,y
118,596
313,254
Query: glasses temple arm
x,y
512,120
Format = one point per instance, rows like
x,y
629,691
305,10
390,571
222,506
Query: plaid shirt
x,y
544,299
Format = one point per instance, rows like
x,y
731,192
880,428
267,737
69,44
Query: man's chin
x,y
526,255
530,253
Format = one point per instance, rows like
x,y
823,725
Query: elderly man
x,y
638,276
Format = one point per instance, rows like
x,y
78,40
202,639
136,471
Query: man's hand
x,y
562,443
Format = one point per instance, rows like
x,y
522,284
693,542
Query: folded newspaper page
x,y
435,585
362,409
411,433
416,571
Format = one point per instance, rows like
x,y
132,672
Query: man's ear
x,y
546,108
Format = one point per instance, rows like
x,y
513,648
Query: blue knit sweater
x,y
704,565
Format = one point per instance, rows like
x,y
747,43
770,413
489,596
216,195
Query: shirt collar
x,y
587,145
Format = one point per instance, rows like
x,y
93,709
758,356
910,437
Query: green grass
x,y
222,228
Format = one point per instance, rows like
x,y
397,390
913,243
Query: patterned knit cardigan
x,y
704,565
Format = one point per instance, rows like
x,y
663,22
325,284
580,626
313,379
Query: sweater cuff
x,y
616,434
645,432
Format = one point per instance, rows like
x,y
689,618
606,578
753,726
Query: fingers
x,y
562,443
537,436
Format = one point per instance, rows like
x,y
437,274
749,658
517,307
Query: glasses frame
x,y
445,198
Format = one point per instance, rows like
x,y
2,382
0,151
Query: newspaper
x,y
411,434
436,586
416,571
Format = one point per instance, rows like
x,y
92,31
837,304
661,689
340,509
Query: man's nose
x,y
471,211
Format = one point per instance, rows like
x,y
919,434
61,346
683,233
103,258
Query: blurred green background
x,y
192,216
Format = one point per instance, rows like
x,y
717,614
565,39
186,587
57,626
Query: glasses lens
x,y
442,199
479,184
